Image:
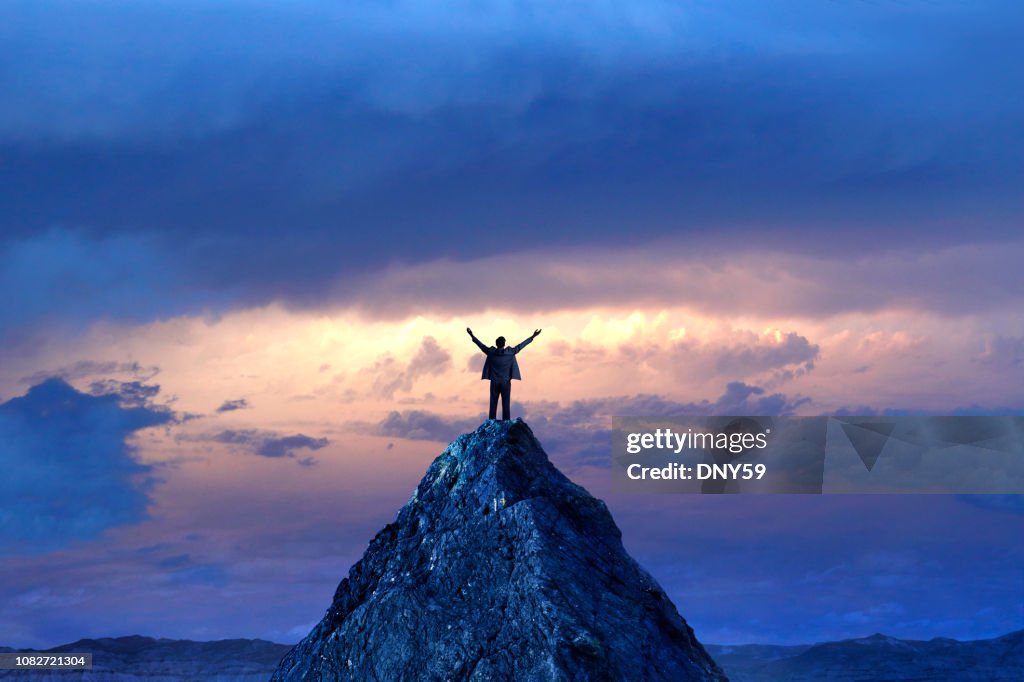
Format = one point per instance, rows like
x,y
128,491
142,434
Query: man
x,y
501,368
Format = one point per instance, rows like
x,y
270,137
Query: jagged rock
x,y
499,568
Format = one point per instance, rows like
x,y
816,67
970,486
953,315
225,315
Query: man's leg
x,y
495,390
506,398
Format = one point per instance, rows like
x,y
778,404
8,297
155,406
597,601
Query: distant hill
x,y
877,658
869,659
131,659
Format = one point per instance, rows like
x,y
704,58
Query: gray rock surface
x,y
499,568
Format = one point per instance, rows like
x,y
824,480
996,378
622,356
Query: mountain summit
x,y
499,568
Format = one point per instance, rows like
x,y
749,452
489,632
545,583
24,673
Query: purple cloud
x,y
268,443
233,405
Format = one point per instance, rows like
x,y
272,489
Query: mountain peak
x,y
499,567
496,466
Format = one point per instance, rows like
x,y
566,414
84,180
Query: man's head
x,y
500,342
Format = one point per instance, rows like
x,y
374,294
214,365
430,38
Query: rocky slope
x,y
499,568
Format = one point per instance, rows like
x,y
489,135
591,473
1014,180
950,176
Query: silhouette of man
x,y
501,368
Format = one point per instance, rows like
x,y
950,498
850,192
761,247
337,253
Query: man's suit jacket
x,y
501,363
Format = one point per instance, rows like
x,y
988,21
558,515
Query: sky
x,y
242,240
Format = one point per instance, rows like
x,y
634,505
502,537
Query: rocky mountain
x,y
138,659
499,568
878,658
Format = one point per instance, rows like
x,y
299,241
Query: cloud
x,y
69,471
268,443
130,393
738,399
697,273
232,405
176,81
411,57
209,574
744,359
1003,353
83,369
738,353
389,375
741,399
580,432
710,277
424,425
974,410
184,161
68,278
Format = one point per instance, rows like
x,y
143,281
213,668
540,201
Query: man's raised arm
x,y
476,340
523,345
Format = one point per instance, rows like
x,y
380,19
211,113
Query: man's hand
x,y
536,332
469,331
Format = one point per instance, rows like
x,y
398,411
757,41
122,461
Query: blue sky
x,y
241,241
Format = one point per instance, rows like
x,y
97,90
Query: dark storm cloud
x,y
268,443
221,153
70,277
68,473
714,275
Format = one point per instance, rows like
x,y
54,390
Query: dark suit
x,y
501,368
